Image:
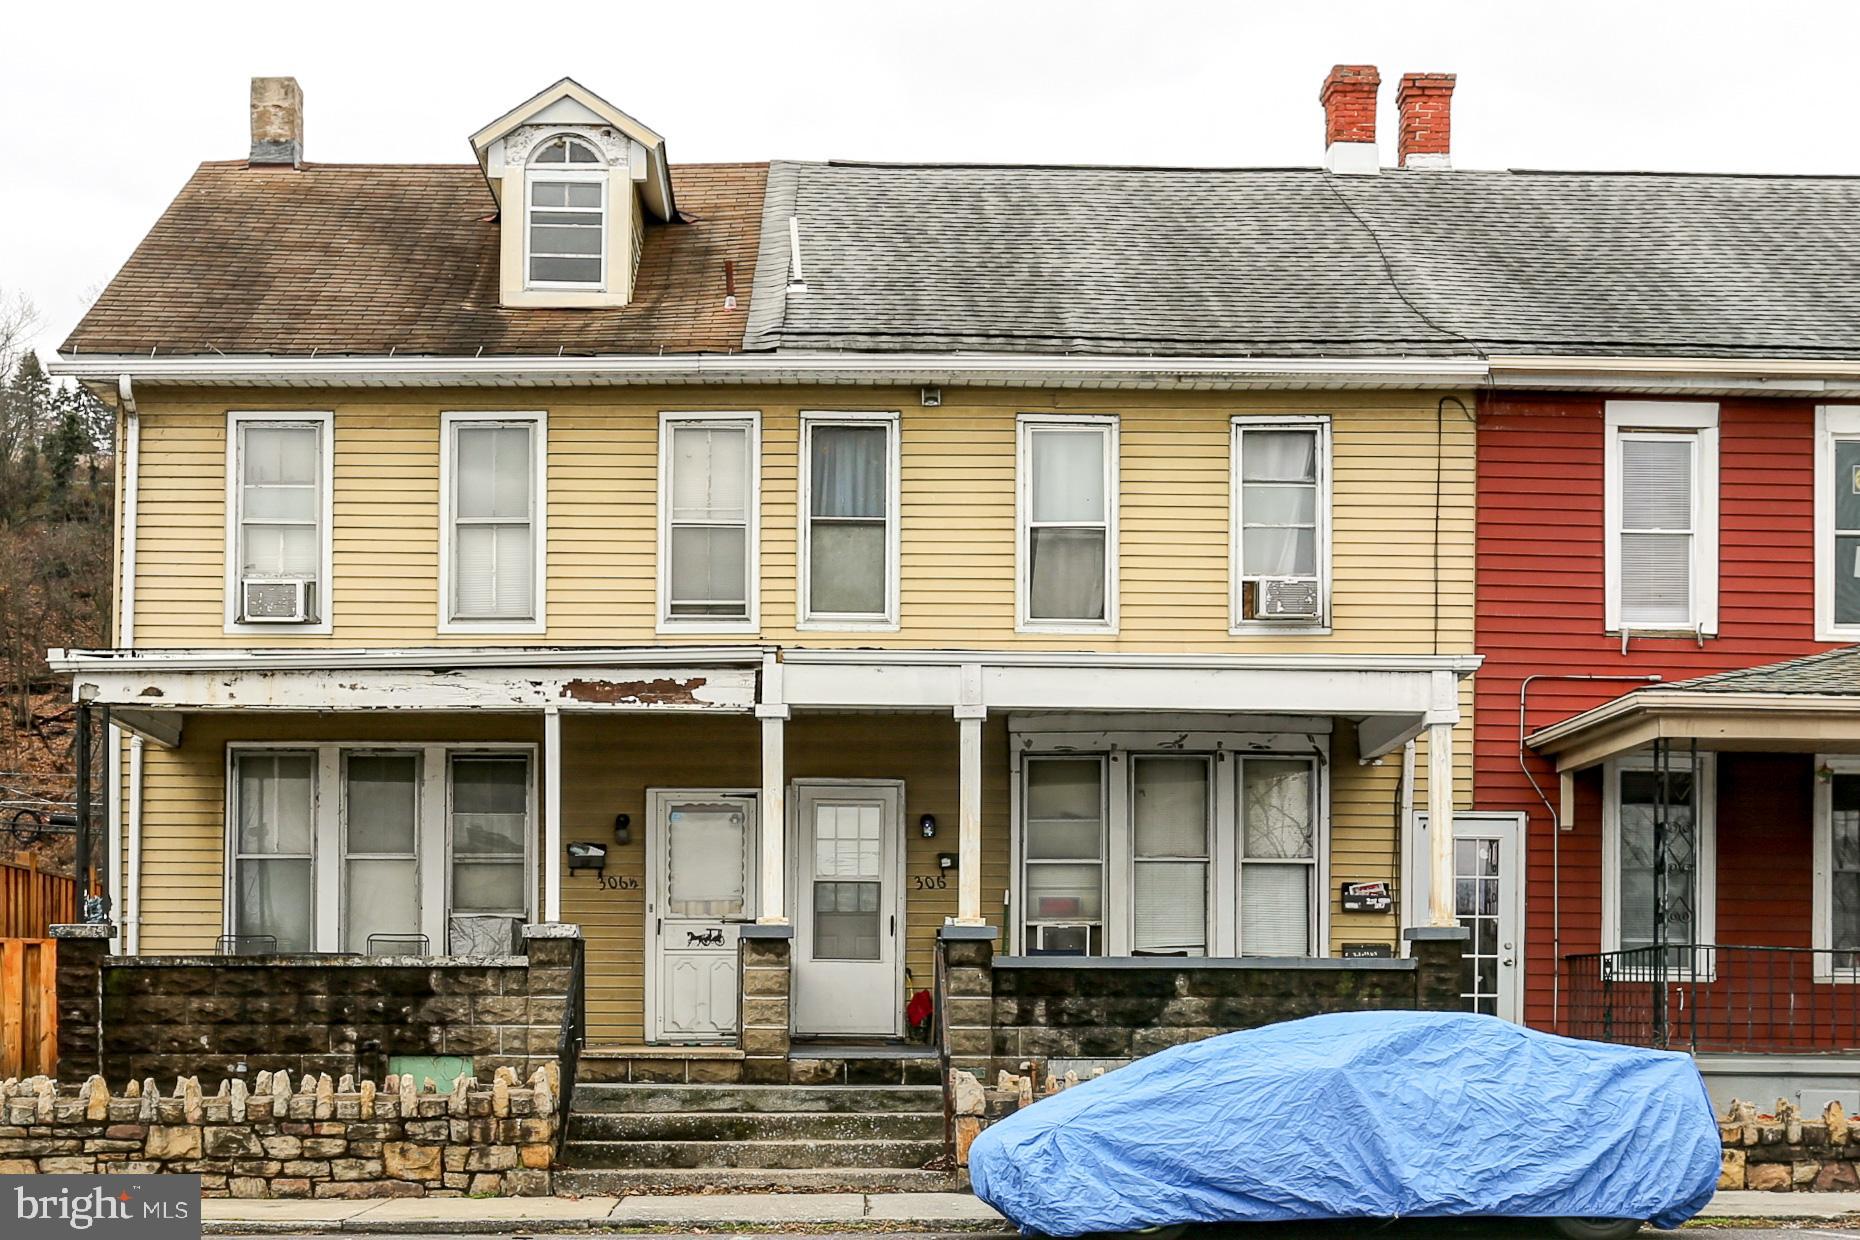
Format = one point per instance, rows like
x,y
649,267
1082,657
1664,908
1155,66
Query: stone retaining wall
x,y
318,1139
1781,1152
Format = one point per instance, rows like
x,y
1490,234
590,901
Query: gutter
x,y
1709,702
1461,664
1678,375
416,659
1034,370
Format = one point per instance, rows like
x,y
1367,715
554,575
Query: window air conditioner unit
x,y
276,600
1071,939
1288,598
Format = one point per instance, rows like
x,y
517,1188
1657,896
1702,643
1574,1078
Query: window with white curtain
x,y
1661,486
1068,522
1170,815
707,504
381,853
850,537
1063,832
1278,809
494,544
279,495
567,235
490,832
1281,520
274,841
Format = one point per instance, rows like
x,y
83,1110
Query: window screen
x,y
848,502
707,538
493,520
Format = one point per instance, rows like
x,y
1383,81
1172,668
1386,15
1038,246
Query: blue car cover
x,y
1361,1115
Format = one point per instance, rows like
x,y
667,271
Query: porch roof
x,y
1809,704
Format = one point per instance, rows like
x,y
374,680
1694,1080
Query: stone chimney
x,y
1425,137
277,121
1349,99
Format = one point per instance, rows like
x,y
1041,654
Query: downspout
x,y
128,476
1556,832
132,894
126,803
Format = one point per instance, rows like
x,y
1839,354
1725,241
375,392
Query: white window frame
x,y
1833,424
1026,425
1698,423
887,621
585,174
751,420
538,424
324,422
1238,624
1110,737
1707,927
434,836
1822,920
1318,923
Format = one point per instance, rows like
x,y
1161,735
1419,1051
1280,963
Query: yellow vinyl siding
x,y
957,540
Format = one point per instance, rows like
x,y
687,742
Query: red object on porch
x,y
1540,611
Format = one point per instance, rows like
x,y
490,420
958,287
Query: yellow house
x,y
833,553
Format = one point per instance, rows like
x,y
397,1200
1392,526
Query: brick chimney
x,y
277,121
1349,99
1425,136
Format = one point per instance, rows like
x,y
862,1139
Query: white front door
x,y
1488,900
848,854
701,884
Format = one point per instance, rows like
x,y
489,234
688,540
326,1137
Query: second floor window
x,y
1662,516
278,570
1837,522
1068,532
494,505
850,540
1281,521
567,215
707,506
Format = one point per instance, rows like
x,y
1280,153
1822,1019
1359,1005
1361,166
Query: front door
x,y
848,852
701,884
1488,900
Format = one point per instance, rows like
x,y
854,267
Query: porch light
x,y
623,829
927,825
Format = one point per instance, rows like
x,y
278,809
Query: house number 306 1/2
x,y
929,882
619,882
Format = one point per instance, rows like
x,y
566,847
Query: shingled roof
x,y
373,259
1833,673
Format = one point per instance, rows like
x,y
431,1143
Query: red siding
x,y
1539,611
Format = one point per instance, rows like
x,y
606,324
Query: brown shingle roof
x,y
368,259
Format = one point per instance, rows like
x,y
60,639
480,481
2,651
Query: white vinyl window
x,y
1063,825
278,521
1281,523
1068,523
566,240
1836,920
1837,523
1633,799
849,546
339,847
708,496
492,567
1278,836
1661,559
1171,819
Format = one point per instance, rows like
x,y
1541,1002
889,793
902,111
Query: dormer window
x,y
567,234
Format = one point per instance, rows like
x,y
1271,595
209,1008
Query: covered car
x,y
1363,1115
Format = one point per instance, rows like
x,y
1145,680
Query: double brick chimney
x,y
277,122
1423,137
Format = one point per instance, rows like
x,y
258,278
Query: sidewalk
x,y
750,1211
457,1215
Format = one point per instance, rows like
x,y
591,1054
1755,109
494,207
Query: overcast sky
x,y
106,108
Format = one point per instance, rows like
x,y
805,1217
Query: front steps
x,y
628,1136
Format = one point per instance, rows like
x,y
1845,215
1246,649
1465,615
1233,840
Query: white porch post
x,y
1440,824
773,819
552,815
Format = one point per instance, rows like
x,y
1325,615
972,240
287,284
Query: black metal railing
x,y
1717,998
574,1037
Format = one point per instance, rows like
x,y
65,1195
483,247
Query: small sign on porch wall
x,y
1367,951
1367,898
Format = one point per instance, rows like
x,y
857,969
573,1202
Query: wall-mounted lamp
x,y
583,856
623,829
946,861
927,825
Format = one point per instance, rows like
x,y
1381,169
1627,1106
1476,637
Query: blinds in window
x,y
493,568
1657,490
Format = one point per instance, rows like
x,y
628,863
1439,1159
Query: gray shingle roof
x,y
1297,262
1833,672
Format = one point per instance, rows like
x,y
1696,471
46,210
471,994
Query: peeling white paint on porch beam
x,y
149,691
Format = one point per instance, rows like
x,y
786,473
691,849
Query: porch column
x,y
1440,824
773,819
969,817
552,815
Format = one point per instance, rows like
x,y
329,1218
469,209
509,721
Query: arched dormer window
x,y
567,232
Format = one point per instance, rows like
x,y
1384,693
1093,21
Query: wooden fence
x,y
28,1007
33,901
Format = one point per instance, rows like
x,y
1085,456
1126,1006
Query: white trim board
x,y
1026,426
1833,424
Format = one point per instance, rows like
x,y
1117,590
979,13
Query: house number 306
x,y
619,882
929,882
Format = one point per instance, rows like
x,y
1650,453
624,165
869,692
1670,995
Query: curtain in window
x,y
1639,794
708,574
381,888
1278,503
1278,814
494,546
1066,574
1846,548
279,504
848,495
1169,819
1066,542
704,852
273,884
1656,530
490,821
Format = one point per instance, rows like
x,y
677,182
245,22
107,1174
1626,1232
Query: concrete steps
x,y
617,1182
746,1136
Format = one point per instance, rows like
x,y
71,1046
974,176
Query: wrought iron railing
x,y
1717,998
573,1039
